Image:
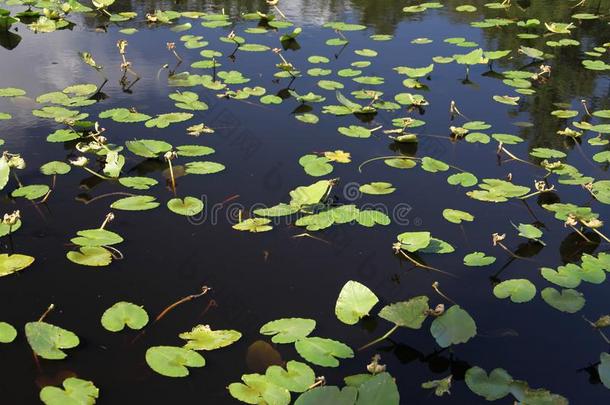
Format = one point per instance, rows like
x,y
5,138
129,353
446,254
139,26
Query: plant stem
x,y
600,234
44,315
204,291
96,174
171,173
388,333
423,266
582,235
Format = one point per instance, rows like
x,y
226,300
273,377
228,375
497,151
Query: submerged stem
x,y
388,333
423,266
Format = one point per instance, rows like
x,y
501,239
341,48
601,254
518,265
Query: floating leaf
x,y
204,167
138,183
457,216
495,386
90,256
31,192
135,203
48,341
10,264
96,237
603,369
75,392
172,361
288,330
354,302
453,327
377,188
519,290
408,314
478,259
414,241
7,332
55,167
187,206
122,314
297,377
569,301
254,225
323,352
201,337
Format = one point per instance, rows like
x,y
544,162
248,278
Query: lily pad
x,y
323,352
187,206
288,330
354,302
519,290
48,341
122,314
453,327
75,392
172,361
202,337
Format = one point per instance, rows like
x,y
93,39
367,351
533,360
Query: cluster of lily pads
x,y
94,152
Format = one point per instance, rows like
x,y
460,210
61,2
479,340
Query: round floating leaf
x,y
254,225
474,137
565,276
188,206
354,302
96,237
355,131
457,216
478,259
31,192
377,188
433,165
172,361
148,148
135,203
270,99
11,92
75,392
297,377
569,301
55,167
507,100
330,85
400,163
10,264
495,386
138,183
47,340
288,330
307,118
204,167
519,290
201,337
464,179
318,59
90,256
323,352
122,314
453,327
408,314
259,389
315,165
194,150
124,115
414,241
7,332
164,120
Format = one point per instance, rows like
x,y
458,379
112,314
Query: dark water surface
x,y
261,277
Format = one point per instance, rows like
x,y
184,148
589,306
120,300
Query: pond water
x,y
260,277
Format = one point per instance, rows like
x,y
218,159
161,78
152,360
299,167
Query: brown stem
x,y
44,315
204,291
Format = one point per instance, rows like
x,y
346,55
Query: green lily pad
x,y
122,314
135,203
409,314
478,259
288,330
138,183
7,332
323,352
31,192
457,216
492,387
453,327
172,361
297,377
414,241
519,290
90,256
75,392
10,264
254,225
54,168
203,167
187,206
48,341
570,301
96,237
377,188
201,337
354,302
